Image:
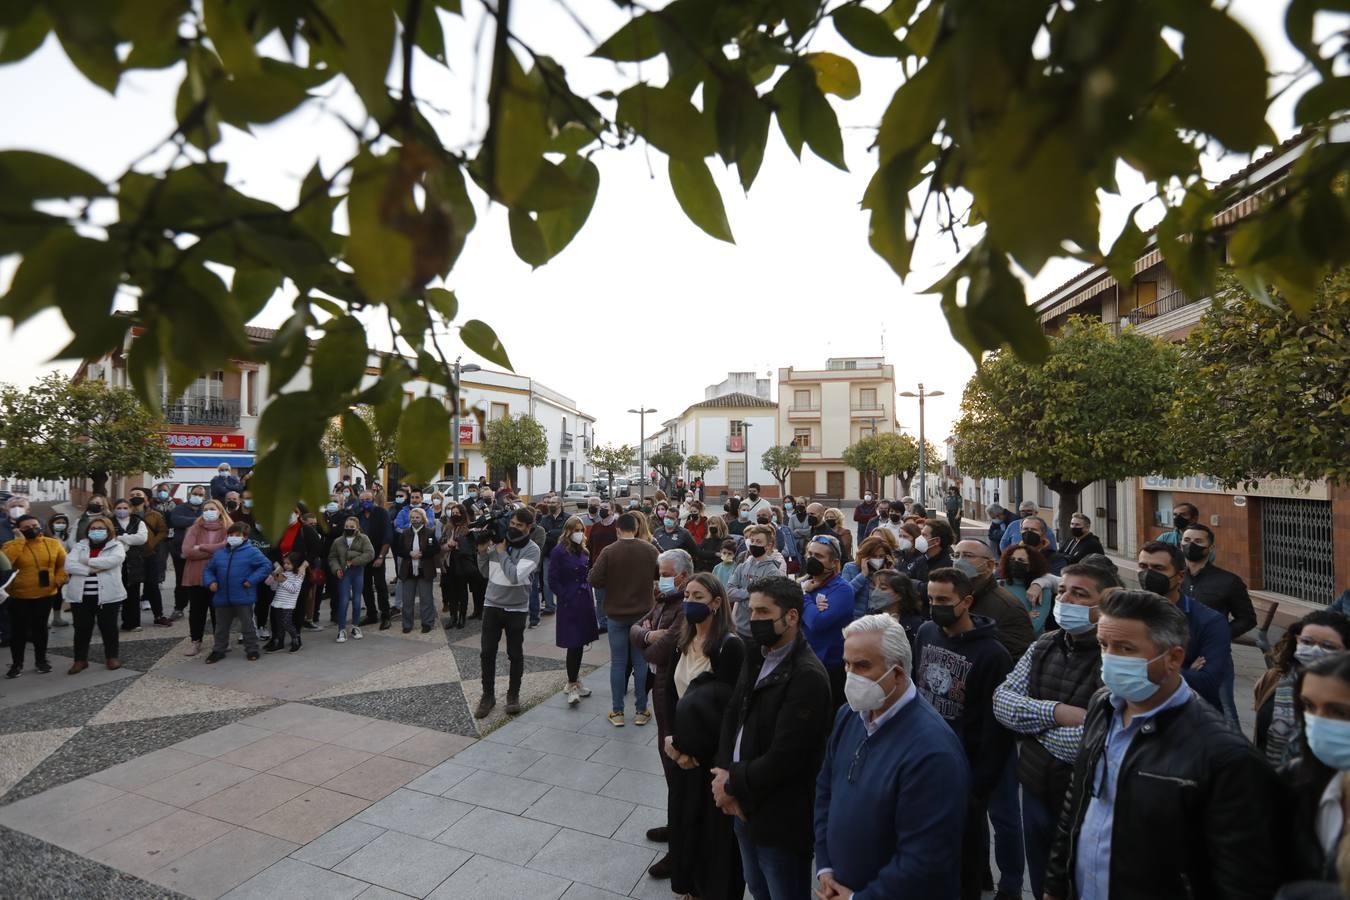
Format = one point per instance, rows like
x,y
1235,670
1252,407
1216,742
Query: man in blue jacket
x,y
1208,664
1013,533
232,574
828,608
891,795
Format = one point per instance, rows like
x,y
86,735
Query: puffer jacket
x,y
236,572
1194,799
106,567
748,571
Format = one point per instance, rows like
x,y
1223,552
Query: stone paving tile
x,y
599,862
439,706
597,815
144,770
638,757
294,880
57,804
629,734
376,737
269,752
441,779
289,716
482,878
513,732
571,719
430,748
414,813
240,804
75,707
34,868
140,655
576,774
375,892
213,869
634,828
334,846
494,790
338,724
403,863
324,763
94,827
579,891
637,787
499,835
309,815
563,743
222,740
24,751
501,758
153,694
185,788
159,843
376,778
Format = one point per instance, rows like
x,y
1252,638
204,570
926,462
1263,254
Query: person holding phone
x,y
40,570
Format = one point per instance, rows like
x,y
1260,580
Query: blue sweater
x,y
1211,638
229,568
890,808
825,628
861,582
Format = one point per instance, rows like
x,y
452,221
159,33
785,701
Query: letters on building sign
x,y
1266,487
183,440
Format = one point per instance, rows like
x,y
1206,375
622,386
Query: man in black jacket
x,y
772,745
552,523
376,525
1166,800
1219,589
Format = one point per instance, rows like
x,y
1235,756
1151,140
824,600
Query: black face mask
x,y
944,616
516,536
95,509
764,633
754,495
814,567
755,550
1031,538
594,510
1195,552
31,533
349,532
232,505
1180,522
1018,570
1077,531
813,521
1156,582
895,517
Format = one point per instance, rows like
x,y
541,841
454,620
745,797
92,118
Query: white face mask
x,y
906,545
578,537
1307,654
196,499
17,511
864,694
921,544
234,540
210,515
875,564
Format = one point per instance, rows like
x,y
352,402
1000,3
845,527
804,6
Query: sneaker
x,y
44,667
193,649
176,614
583,690
342,636
484,707
512,705
126,630
215,657
426,629
264,634
253,657
356,633
59,623
573,695
311,626
13,671
616,719
145,605
642,717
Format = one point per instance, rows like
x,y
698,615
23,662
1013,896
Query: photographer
x,y
509,566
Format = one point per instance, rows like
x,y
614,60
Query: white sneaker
x,y
145,604
342,637
356,633
573,695
265,634
582,690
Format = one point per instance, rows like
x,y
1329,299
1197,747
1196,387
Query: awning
x,y
211,460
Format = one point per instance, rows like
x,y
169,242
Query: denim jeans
x,y
349,592
1006,814
1038,833
621,655
600,619
773,873
534,598
545,589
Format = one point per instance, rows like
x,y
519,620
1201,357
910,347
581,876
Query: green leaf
x,y
340,356
423,437
742,120
256,98
26,176
1322,101
230,36
923,32
898,13
20,39
520,137
526,238
481,339
96,60
443,302
430,37
559,226
888,198
1129,246
868,32
380,256
835,74
635,41
787,98
915,110
366,32
252,288
820,127
356,434
571,138
551,189
668,121
699,198
75,273
1220,87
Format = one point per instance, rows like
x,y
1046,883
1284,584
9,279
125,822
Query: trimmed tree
x,y
610,459
781,461
1097,409
1274,386
898,455
59,429
514,441
666,462
368,451
701,463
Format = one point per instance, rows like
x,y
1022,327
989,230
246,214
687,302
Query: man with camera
x,y
508,562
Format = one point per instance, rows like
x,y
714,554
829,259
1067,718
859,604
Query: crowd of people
x,y
841,711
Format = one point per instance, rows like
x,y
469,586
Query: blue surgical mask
x,y
332,507
98,535
1073,618
1329,740
196,499
669,522
234,540
1127,677
788,507
666,585
745,515
695,612
164,495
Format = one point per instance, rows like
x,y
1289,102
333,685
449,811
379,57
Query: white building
x,y
740,383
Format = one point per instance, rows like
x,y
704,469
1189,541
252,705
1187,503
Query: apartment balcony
x,y
222,413
1163,305
566,444
867,410
736,443
804,412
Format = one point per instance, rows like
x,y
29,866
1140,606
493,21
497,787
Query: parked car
x,y
578,490
466,489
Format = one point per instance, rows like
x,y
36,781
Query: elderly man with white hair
x,y
891,795
1013,533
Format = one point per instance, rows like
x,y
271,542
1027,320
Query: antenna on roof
x,y
883,343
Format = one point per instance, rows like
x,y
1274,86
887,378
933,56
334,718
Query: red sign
x,y
736,444
468,434
192,440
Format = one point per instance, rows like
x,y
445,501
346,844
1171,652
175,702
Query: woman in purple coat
x,y
568,565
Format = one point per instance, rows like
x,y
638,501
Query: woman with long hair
x,y
569,563
709,552
706,664
835,521
1315,816
874,554
204,537
1025,572
459,575
1319,634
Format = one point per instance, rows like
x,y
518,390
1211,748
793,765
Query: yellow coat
x,y
31,557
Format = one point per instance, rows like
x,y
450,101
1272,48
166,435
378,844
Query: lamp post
x,y
745,438
454,426
641,413
923,461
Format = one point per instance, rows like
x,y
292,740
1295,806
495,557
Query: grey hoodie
x,y
747,571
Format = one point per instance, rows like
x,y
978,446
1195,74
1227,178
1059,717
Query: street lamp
x,y
923,462
745,440
454,427
642,448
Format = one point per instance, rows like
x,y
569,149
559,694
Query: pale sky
x,y
642,308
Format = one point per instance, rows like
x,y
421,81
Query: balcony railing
x,y
804,407
1164,304
869,406
202,411
566,441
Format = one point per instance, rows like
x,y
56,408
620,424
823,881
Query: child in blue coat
x,y
232,574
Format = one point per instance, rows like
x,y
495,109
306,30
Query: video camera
x,y
490,527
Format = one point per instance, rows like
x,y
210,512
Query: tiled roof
x,y
734,401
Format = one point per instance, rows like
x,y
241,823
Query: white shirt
x,y
691,665
416,563
1330,816
905,699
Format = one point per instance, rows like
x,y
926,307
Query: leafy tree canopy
x,y
781,461
701,463
612,460
514,441
357,441
1013,115
1265,393
892,454
666,462
1098,408
58,429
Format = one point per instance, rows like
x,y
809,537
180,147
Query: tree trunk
x,y
904,485
1069,492
99,481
